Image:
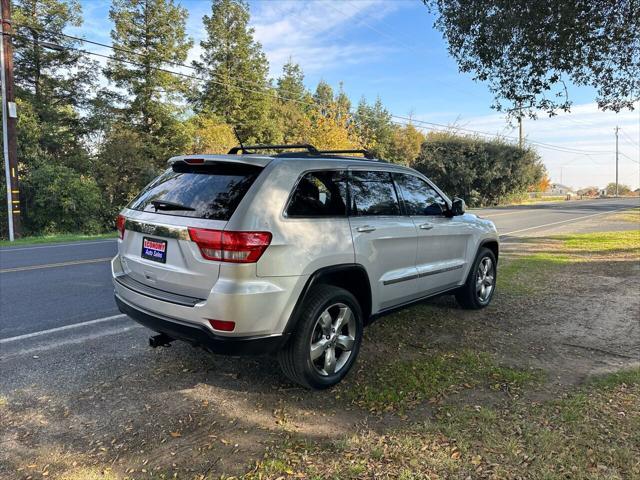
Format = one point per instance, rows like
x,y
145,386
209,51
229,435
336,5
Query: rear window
x,y
199,191
320,194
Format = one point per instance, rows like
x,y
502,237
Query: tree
x,y
542,186
482,172
51,85
61,200
209,135
622,189
528,50
374,127
404,145
323,98
291,87
235,69
122,169
148,35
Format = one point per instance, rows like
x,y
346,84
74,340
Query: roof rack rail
x,y
296,146
311,151
366,153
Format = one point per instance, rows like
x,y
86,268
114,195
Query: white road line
x,y
75,244
61,329
68,341
55,265
575,219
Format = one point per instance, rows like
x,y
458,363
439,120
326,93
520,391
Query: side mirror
x,y
457,207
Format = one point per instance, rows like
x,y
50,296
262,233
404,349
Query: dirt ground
x,y
180,413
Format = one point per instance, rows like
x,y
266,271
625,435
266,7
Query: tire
x,y
470,295
313,328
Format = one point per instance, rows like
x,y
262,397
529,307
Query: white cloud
x,y
587,130
315,33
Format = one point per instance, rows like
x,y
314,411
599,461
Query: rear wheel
x,y
480,286
327,340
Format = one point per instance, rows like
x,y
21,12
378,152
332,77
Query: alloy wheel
x,y
333,339
485,279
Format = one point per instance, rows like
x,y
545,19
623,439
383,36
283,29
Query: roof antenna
x,y
235,130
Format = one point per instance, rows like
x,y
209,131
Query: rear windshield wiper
x,y
163,205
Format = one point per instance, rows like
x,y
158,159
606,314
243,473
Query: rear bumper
x,y
199,335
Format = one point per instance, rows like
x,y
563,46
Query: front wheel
x,y
480,286
327,340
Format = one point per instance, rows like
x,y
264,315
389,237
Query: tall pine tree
x,y
291,84
51,85
235,68
150,35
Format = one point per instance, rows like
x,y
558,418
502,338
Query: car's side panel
x,y
299,246
388,253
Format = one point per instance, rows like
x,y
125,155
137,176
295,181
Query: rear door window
x,y
418,196
373,193
211,191
320,194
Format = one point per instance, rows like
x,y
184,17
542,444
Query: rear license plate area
x,y
154,249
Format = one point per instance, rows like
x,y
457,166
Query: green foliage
x,y
156,31
482,172
52,85
528,50
235,68
122,168
59,199
374,127
622,189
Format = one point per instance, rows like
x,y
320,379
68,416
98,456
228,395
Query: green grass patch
x,y
530,274
399,385
631,215
627,241
593,433
62,238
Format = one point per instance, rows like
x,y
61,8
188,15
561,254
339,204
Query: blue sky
x,y
390,49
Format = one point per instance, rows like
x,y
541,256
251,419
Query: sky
x,y
390,49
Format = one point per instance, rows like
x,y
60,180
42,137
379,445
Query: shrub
x,y
60,200
482,172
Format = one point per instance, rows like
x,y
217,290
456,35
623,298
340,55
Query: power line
x,y
629,138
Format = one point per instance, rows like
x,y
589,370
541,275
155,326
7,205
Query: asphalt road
x,y
64,286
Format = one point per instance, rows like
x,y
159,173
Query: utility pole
x,y
9,116
520,131
617,128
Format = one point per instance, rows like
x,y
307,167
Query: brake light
x,y
194,161
120,225
223,325
234,247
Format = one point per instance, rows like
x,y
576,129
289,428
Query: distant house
x,y
558,189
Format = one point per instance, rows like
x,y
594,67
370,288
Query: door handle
x,y
366,228
426,226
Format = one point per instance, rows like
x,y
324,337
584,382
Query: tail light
x,y
120,225
234,247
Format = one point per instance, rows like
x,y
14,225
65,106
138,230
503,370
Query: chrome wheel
x,y
485,279
333,338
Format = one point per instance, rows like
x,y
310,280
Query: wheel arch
x,y
350,276
492,244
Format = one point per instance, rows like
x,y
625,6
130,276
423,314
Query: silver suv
x,y
293,253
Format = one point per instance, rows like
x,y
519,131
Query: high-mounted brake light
x,y
194,161
120,225
234,247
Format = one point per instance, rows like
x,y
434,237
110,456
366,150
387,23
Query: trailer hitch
x,y
161,340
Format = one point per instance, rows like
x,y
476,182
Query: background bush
x,y
482,172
